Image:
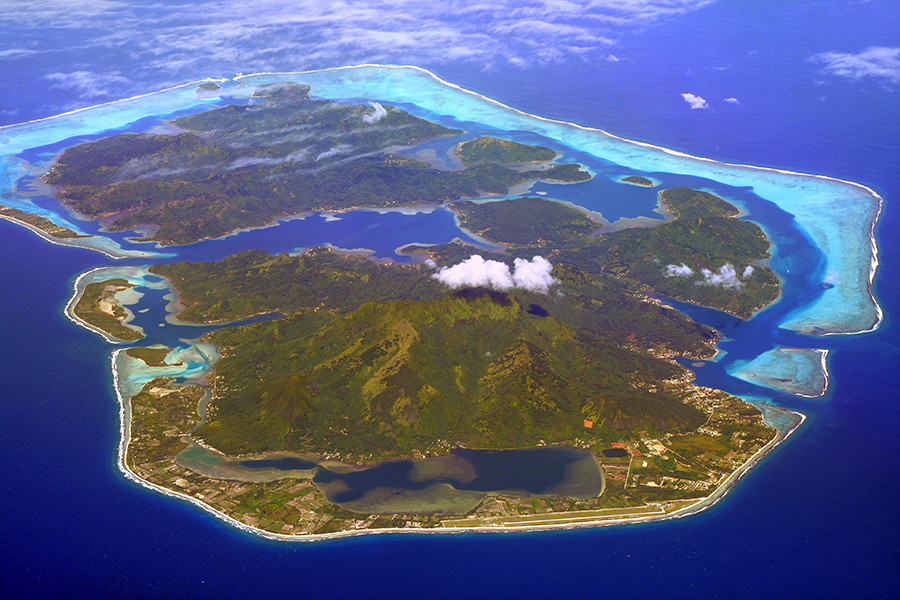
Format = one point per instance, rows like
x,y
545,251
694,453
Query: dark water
x,y
817,519
533,471
615,452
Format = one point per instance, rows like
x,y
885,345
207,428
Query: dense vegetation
x,y
243,166
152,357
372,361
638,180
375,360
161,414
253,282
705,236
474,368
524,221
685,203
668,259
99,295
489,149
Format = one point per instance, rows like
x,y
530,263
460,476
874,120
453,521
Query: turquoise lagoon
x,y
837,217
798,371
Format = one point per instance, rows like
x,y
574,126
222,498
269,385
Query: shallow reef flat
x,y
838,216
798,371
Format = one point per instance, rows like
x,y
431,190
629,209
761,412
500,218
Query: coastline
x,y
817,330
651,512
576,521
78,289
820,324
693,508
82,242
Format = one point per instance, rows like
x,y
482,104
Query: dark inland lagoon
x,y
817,518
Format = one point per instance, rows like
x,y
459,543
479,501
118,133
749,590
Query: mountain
x,y
472,369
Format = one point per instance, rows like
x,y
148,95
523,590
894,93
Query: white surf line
x,y
112,102
569,520
823,361
69,310
873,242
70,242
729,482
124,439
573,521
873,267
717,494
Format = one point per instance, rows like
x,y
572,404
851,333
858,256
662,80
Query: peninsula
x,y
99,307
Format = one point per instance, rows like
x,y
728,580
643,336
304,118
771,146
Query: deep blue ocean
x,y
818,518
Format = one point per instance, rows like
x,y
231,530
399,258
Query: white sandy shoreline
x,y
74,242
816,328
699,505
696,507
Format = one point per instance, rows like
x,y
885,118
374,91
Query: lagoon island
x,y
245,166
638,180
531,376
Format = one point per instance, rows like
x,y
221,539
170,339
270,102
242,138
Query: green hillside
x,y
245,166
490,149
705,235
472,369
524,221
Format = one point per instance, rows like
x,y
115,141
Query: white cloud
x,y
17,53
379,113
533,275
681,270
166,43
87,84
877,62
336,151
725,277
475,271
732,100
695,101
247,161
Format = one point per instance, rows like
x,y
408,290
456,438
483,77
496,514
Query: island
x,y
389,394
524,221
638,180
531,376
491,149
246,166
99,306
152,356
